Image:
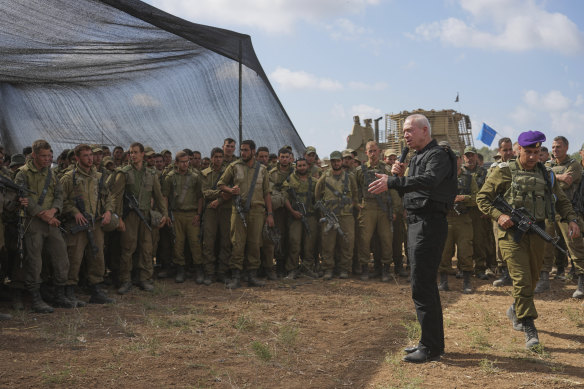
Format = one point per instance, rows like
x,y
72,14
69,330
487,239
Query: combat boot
x,y
146,285
179,278
292,274
70,294
271,274
61,300
466,286
17,304
544,282
5,316
443,285
98,296
208,279
399,269
385,272
125,288
253,280
234,283
307,269
560,274
328,275
505,279
517,324
579,293
531,338
38,305
365,272
343,275
199,276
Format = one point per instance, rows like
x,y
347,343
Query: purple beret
x,y
531,139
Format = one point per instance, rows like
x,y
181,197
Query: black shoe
x,y
385,272
70,294
443,285
481,276
234,283
17,304
411,349
364,272
253,280
344,275
125,288
38,304
5,316
199,277
421,356
271,275
98,296
328,275
179,278
146,286
61,300
208,279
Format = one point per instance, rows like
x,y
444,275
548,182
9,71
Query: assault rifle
x,y
300,207
273,234
329,217
132,203
524,223
239,209
80,204
21,192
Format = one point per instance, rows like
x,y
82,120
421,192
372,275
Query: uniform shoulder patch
x,y
503,165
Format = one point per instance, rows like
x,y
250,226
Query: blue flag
x,y
487,135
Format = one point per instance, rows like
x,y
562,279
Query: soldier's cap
x,y
310,149
336,155
470,149
325,162
17,160
148,151
107,160
165,151
96,149
443,143
389,152
347,153
531,139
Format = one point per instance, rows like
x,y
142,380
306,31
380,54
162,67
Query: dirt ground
x,y
301,334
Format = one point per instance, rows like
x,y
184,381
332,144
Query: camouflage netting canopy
x,y
118,71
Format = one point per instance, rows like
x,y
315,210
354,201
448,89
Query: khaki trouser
x,y
575,247
137,236
40,235
480,240
373,218
77,246
186,231
329,240
524,260
460,234
500,261
296,236
216,225
246,242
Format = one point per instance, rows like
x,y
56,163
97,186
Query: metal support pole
x,y
240,94
377,129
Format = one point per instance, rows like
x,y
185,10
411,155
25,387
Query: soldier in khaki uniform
x,y
460,230
251,189
141,182
43,227
278,176
299,188
183,189
81,188
338,190
505,154
376,213
228,151
568,172
216,220
481,223
525,182
310,156
268,247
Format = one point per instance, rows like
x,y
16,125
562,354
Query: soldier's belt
x,y
184,210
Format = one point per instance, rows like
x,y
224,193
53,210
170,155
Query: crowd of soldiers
x,y
125,218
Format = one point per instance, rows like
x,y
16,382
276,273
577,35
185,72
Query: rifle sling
x,y
46,187
252,187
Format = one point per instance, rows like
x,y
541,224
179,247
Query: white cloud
x,y
273,16
289,79
553,101
346,30
410,65
378,86
365,111
567,123
513,25
522,116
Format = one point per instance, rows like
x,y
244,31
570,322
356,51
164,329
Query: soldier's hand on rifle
x,y
23,201
296,214
122,226
215,203
505,221
379,185
235,190
459,198
80,219
164,221
574,230
270,220
106,218
196,220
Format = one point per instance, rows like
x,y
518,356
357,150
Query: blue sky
x,y
517,64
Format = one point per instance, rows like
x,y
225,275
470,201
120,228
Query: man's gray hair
x,y
421,121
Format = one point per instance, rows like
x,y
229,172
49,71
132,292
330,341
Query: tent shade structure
x,y
118,71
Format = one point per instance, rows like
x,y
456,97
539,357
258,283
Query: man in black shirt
x,y
429,190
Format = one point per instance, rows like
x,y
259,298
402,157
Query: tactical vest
x,y
142,190
561,169
464,188
531,190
